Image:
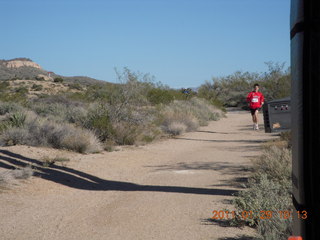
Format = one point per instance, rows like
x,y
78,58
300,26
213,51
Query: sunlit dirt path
x,y
164,190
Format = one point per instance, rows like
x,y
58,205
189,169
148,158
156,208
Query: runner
x,y
255,101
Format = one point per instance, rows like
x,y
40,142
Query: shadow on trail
x,y
216,132
222,141
222,167
81,180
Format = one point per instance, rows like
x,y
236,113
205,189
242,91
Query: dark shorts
x,y
253,110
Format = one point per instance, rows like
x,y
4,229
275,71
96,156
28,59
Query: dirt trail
x,y
165,190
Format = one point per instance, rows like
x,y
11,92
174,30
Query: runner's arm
x,y
249,98
262,100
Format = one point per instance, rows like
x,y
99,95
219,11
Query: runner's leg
x,y
253,119
257,118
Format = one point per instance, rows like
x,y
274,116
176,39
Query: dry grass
x,y
39,132
191,114
12,177
176,128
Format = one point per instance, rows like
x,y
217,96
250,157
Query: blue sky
x,y
182,43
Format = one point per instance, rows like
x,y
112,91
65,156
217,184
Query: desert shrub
x,y
60,112
8,107
205,111
191,113
98,121
39,78
76,115
58,79
3,126
16,119
48,162
276,81
55,110
170,117
81,141
22,90
148,133
40,132
109,145
37,87
125,133
124,126
13,136
265,194
17,97
275,162
158,95
75,86
54,99
175,128
231,90
268,189
4,85
11,176
286,136
23,173
64,136
187,93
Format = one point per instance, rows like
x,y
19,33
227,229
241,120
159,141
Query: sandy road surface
x,y
165,190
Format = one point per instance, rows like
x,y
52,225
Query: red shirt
x,y
255,99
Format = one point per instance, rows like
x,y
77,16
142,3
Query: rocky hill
x,y
23,77
26,69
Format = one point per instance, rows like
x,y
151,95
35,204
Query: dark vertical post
x,y
305,100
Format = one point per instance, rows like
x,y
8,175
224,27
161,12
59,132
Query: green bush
x,y
37,87
76,86
44,109
268,189
16,97
125,133
4,85
157,96
22,90
60,112
58,79
118,113
187,93
38,78
231,90
98,121
16,119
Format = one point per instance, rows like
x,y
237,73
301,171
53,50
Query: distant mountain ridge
x,y
25,68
